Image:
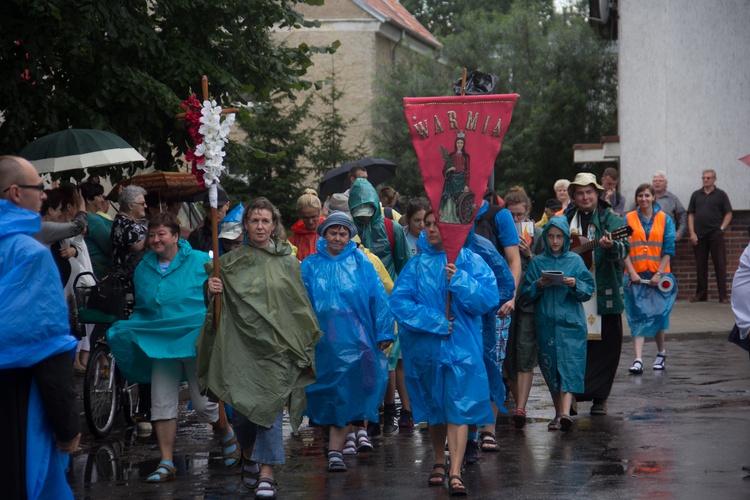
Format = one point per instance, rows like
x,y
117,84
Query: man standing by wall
x,y
610,178
669,203
709,213
38,414
595,220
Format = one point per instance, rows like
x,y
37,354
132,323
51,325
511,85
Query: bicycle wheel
x,y
100,391
130,400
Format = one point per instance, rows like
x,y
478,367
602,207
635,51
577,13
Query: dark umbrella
x,y
336,180
73,149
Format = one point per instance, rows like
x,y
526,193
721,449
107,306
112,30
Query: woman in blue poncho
x,y
559,317
157,343
445,374
647,306
351,306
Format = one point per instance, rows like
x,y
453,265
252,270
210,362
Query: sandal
x,y
519,418
250,473
457,489
488,442
637,367
554,425
437,475
266,487
661,362
336,462
350,447
363,442
164,472
566,423
230,449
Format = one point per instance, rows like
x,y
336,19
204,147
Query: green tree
x,y
442,17
267,162
416,76
327,149
126,66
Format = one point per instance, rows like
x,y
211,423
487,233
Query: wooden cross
x,y
204,88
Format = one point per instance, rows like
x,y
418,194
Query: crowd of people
x,y
357,311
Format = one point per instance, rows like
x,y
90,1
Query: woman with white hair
x,y
561,192
129,231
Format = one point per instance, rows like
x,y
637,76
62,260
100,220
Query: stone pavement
x,y
678,434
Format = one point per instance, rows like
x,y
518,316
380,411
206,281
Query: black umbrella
x,y
336,180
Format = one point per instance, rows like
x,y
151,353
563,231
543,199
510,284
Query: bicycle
x,y
105,390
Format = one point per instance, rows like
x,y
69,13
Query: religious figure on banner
x,y
457,200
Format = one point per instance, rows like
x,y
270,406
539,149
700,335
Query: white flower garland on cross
x,y
215,132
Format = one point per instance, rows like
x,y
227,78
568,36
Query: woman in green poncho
x,y
261,356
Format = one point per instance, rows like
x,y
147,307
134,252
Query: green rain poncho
x,y
262,355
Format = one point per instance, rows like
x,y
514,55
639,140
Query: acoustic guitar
x,y
583,247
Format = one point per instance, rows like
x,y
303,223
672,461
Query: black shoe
x,y
471,455
373,429
390,424
599,407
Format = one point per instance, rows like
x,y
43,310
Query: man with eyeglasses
x,y
38,415
709,214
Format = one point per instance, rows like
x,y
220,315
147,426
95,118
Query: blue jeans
x,y
267,442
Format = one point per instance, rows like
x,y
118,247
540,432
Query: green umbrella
x,y
74,149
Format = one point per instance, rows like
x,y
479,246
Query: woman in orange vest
x,y
649,293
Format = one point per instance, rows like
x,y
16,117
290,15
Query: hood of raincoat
x,y
561,223
300,229
17,220
362,193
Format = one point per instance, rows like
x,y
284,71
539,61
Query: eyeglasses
x,y
519,216
39,187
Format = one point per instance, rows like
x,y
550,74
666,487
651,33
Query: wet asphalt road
x,y
680,434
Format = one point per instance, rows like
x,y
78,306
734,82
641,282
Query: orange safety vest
x,y
645,254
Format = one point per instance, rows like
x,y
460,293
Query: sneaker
x,y
599,407
406,420
390,425
471,455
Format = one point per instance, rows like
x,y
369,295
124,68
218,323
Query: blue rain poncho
x,y
506,286
168,315
33,330
560,320
352,309
445,376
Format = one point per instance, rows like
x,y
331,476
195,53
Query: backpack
x,y
484,225
389,232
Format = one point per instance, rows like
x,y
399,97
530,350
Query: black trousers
x,y
712,244
602,360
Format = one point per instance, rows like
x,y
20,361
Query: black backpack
x,y
484,225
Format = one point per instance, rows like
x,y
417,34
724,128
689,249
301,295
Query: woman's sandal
x,y
488,442
637,367
266,488
164,472
336,462
250,473
457,489
554,424
230,449
519,418
566,423
437,475
661,362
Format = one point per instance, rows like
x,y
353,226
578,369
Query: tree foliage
x,y
125,66
267,163
327,149
566,78
443,17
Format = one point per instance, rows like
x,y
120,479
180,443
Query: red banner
x,y
457,140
